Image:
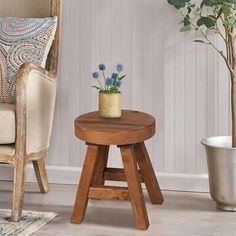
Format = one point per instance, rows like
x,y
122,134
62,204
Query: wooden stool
x,y
129,133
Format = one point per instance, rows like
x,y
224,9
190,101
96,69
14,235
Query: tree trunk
x,y
233,107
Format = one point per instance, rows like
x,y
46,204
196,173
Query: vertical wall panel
x,y
169,89
200,105
181,83
179,101
157,76
190,104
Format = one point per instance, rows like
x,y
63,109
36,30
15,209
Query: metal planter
x,y
221,159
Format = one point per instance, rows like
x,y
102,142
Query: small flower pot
x,y
110,105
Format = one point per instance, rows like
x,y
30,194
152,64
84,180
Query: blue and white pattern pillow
x,y
22,40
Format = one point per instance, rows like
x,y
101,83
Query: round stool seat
x,y
132,127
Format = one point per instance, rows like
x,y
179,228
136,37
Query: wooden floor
x,y
182,214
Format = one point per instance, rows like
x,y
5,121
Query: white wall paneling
x,y
183,84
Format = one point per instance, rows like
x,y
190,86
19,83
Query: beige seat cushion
x,y
7,123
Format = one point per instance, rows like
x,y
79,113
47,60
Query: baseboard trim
x,y
70,175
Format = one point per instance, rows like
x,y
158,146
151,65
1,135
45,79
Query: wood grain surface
x,y
132,127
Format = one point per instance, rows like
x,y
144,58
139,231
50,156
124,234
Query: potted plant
x,y
109,91
218,17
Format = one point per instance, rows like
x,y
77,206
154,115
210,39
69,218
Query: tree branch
x,y
220,52
226,59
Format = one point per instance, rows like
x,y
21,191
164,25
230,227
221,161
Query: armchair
x,y
27,124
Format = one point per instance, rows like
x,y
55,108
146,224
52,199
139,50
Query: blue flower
x,y
109,82
102,67
119,67
95,75
118,83
114,76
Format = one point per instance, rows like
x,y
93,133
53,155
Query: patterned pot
x,y
110,105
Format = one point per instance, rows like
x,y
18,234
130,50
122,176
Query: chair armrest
x,y
35,103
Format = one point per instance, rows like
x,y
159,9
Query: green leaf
x,y
212,18
194,11
185,28
232,21
113,89
202,29
226,10
178,3
96,87
209,22
183,11
198,41
186,21
209,3
227,2
202,4
219,13
122,77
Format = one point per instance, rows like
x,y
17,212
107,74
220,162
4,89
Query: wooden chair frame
x,y
21,158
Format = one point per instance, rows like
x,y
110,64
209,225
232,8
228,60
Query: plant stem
x,y
233,108
100,84
233,86
104,78
226,44
232,46
220,52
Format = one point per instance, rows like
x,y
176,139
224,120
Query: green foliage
x,y
215,16
178,3
209,21
208,13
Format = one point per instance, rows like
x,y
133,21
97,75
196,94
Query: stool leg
x,y
148,173
134,187
101,164
81,200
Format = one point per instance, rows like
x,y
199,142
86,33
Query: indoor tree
x,y
219,17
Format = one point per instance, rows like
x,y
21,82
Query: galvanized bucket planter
x,y
221,160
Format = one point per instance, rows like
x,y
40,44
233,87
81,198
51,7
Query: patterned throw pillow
x,y
22,40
